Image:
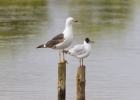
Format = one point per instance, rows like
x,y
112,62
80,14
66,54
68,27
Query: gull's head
x,y
70,20
87,40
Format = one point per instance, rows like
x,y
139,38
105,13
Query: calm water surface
x,y
112,69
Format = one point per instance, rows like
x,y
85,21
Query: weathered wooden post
x,y
80,83
61,81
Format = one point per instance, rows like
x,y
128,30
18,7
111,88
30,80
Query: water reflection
x,y
21,17
30,74
101,15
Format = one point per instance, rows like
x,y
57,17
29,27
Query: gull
x,y
62,40
80,51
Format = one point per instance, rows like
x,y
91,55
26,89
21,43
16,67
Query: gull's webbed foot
x,y
64,61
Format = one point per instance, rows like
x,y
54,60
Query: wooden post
x,y
61,81
80,83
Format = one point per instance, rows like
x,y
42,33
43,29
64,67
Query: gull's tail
x,y
40,46
65,51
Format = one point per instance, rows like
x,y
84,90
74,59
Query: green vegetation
x,y
21,16
23,3
97,15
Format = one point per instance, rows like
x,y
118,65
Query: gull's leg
x,y
59,57
63,57
82,61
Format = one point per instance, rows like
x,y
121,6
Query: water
x,y
112,69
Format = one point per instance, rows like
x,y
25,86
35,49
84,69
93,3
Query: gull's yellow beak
x,y
91,41
75,20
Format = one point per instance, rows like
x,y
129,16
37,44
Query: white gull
x,y
80,51
62,40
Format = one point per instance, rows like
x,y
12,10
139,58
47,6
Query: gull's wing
x,y
77,50
54,41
